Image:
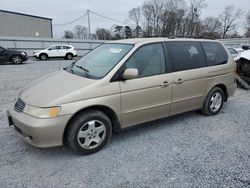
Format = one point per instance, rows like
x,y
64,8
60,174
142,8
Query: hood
x,y
54,89
15,51
245,55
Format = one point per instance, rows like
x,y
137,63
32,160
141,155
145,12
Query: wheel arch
x,y
12,55
224,88
116,127
43,53
69,53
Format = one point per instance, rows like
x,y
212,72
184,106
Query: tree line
x,y
166,18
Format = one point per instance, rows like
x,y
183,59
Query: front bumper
x,y
39,132
25,57
36,55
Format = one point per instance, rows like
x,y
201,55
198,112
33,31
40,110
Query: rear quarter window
x,y
215,53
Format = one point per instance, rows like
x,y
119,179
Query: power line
x,y
73,21
107,17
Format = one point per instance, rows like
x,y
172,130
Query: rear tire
x,y
213,102
43,57
16,59
88,132
69,56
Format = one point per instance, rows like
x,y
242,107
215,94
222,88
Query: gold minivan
x,y
120,84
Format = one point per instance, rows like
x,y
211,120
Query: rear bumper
x,y
231,89
39,132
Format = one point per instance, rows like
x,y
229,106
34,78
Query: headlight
x,y
23,53
42,112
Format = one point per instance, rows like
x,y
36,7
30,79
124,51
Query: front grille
x,y
19,106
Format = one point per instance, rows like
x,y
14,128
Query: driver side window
x,y
149,60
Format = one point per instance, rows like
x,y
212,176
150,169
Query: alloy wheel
x,y
215,102
91,134
16,59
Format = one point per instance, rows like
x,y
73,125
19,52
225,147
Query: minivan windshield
x,y
97,63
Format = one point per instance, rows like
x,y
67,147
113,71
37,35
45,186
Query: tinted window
x,y
233,51
215,53
65,47
149,60
53,48
185,55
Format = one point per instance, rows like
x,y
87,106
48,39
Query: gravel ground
x,y
188,150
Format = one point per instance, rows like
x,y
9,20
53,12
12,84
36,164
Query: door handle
x,y
165,84
179,81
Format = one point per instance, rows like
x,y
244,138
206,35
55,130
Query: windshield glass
x,y
97,63
1,48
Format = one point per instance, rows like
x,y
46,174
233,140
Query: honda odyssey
x,y
120,84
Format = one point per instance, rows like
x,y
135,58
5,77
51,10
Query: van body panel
x,y
144,99
224,75
188,94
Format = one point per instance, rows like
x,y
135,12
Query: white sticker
x,y
115,50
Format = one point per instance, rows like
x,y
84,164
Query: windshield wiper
x,y
84,69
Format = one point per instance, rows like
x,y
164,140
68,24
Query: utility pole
x,y
89,32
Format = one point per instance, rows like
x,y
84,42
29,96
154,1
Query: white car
x,y
66,51
235,54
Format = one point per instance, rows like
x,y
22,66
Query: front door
x,y
3,55
147,97
54,51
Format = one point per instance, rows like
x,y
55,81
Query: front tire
x,y
16,59
213,102
43,57
88,132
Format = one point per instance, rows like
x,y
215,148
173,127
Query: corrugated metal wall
x,y
83,46
29,45
19,25
236,42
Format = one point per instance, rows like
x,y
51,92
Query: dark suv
x,y
13,56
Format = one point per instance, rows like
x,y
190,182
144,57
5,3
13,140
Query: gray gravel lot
x,y
188,150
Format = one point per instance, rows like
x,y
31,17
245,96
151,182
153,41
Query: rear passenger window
x,y
185,55
66,47
215,53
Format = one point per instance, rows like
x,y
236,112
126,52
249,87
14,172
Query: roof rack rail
x,y
189,36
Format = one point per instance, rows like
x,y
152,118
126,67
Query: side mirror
x,y
130,73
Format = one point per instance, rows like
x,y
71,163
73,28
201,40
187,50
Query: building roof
x,y
6,11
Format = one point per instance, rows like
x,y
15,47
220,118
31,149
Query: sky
x,y
63,11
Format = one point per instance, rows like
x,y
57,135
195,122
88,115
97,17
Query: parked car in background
x,y
235,54
120,84
243,68
66,51
239,50
16,57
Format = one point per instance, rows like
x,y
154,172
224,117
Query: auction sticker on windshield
x,y
115,50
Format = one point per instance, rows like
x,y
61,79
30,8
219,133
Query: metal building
x,y
23,25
